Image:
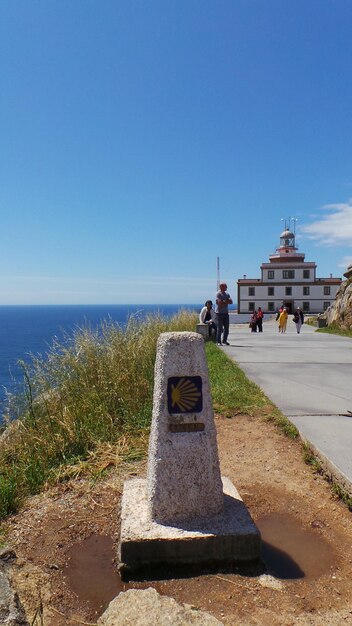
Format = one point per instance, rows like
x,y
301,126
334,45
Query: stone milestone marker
x,y
184,478
183,513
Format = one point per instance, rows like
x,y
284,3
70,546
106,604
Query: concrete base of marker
x,y
228,539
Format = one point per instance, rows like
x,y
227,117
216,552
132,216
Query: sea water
x,y
26,330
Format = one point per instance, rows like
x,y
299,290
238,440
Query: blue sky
x,y
142,139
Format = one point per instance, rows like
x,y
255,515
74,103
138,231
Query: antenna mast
x,y
288,221
218,272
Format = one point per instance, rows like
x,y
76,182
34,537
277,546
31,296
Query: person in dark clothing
x,y
253,322
260,316
298,319
223,300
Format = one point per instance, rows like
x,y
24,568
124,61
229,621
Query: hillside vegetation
x,y
87,404
91,391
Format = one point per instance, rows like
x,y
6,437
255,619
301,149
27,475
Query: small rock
x,y
137,607
317,523
7,554
11,611
271,582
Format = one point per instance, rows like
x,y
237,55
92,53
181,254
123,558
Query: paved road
x,y
309,377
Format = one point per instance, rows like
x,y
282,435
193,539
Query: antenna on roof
x,y
288,221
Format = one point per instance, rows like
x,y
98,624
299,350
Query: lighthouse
x,y
287,280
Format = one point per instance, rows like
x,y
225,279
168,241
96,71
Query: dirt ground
x,y
65,541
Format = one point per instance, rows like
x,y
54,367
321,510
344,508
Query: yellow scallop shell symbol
x,y
185,395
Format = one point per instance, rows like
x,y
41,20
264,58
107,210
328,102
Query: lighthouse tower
x,y
287,250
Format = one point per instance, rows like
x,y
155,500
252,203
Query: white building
x,y
287,280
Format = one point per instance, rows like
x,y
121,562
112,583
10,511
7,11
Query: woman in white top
x,y
207,316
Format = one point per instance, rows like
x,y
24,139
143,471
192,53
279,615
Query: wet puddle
x,y
290,551
92,574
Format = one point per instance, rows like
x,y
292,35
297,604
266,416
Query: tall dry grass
x,y
92,389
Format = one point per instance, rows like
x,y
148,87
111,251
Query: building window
x,y
271,306
251,291
271,291
288,291
326,305
251,306
288,273
306,273
306,307
271,274
326,291
306,291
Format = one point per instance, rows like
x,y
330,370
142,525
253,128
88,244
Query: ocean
x,y
26,330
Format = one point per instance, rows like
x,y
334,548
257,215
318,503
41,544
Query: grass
x,y
311,459
343,495
333,329
232,392
91,392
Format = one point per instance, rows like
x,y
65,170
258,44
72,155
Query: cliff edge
x,y
340,312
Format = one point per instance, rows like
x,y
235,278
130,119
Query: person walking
x,y
207,316
278,313
298,319
283,320
260,316
223,299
